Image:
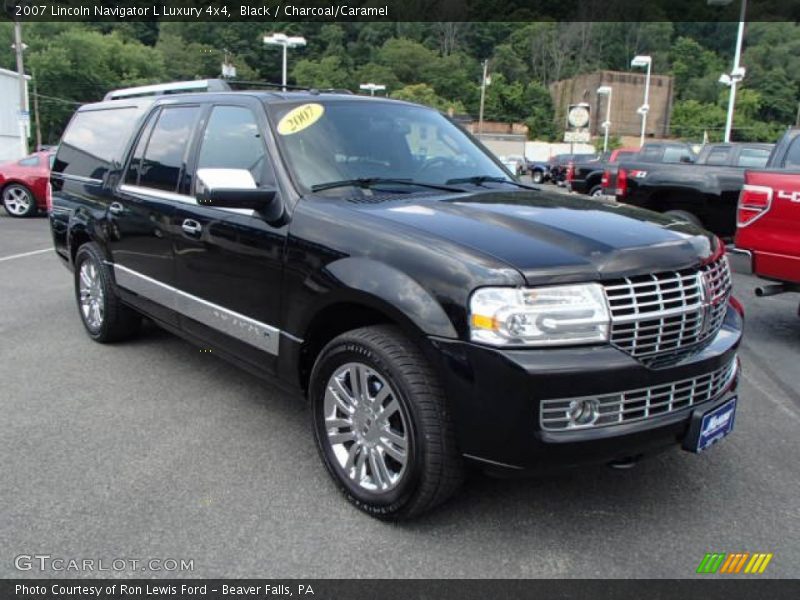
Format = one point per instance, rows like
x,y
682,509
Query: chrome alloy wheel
x,y
366,429
17,200
91,295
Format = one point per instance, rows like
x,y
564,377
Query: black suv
x,y
377,260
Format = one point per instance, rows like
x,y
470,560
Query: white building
x,y
12,142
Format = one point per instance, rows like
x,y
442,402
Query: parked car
x,y
586,177
432,310
702,190
560,162
23,184
539,171
768,220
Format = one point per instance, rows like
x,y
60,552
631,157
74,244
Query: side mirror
x,y
236,188
687,159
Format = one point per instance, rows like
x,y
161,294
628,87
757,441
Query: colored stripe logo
x,y
734,563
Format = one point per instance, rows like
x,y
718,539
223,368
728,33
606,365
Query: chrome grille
x,y
640,404
660,317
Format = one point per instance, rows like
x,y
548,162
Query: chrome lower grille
x,y
660,317
640,404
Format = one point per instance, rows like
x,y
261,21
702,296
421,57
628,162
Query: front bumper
x,y
496,395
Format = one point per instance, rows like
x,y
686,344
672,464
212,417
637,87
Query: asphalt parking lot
x,y
152,449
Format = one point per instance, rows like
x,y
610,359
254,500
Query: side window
x,y
650,154
718,156
164,157
95,140
134,168
753,157
233,140
793,155
673,154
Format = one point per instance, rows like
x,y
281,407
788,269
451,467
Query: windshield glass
x,y
325,142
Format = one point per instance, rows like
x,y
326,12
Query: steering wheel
x,y
437,162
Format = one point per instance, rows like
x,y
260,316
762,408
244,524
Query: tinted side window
x,y
649,153
94,140
718,156
673,154
164,157
134,168
793,155
753,157
233,140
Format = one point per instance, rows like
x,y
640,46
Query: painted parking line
x,y
24,254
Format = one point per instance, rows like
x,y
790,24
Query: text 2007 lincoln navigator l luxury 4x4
x,y
372,256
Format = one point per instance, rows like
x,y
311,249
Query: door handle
x,y
116,208
192,227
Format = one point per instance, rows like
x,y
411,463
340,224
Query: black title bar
x,y
400,10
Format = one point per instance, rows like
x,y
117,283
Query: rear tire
x,y
685,216
102,313
596,191
391,452
18,201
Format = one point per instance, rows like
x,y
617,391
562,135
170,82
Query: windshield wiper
x,y
369,182
481,179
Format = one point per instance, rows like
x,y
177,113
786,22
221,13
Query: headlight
x,y
542,316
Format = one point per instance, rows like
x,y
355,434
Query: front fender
x,y
395,289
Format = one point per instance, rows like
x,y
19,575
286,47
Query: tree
x,y
79,65
410,61
422,93
690,119
328,72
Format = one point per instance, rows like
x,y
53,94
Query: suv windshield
x,y
337,141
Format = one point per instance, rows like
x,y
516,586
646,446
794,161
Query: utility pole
x,y
18,48
483,97
36,114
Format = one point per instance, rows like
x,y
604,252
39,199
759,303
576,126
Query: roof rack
x,y
208,85
177,87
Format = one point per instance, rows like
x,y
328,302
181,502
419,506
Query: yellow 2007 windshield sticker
x,y
300,118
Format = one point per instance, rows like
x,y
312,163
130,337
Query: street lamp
x,y
644,61
281,39
605,90
372,87
737,73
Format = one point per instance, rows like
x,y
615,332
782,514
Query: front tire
x,y
102,313
382,425
537,177
18,201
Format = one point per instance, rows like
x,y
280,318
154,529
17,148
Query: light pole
x,y
372,88
605,90
22,116
281,39
483,97
737,73
644,61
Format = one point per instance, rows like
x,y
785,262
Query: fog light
x,y
583,412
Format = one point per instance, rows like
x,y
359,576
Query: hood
x,y
551,237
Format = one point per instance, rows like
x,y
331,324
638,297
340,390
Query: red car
x,y
23,184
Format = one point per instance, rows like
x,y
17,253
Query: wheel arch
x,y
370,293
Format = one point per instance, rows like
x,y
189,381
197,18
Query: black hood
x,y
553,237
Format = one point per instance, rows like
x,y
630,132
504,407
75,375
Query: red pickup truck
x,y
768,220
